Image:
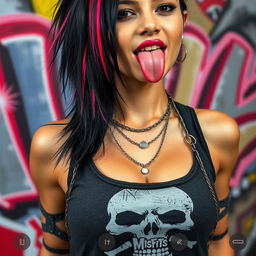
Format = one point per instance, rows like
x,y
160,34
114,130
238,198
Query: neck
x,y
145,104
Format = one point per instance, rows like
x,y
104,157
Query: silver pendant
x,y
144,170
143,144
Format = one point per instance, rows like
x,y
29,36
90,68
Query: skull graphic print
x,y
148,216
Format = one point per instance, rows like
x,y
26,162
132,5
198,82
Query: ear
x,y
185,17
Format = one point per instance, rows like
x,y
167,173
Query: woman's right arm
x,y
51,195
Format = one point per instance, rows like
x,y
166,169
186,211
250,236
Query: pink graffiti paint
x,y
247,156
216,60
10,98
8,201
212,8
27,25
205,5
12,27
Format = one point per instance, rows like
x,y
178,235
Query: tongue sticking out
x,y
152,64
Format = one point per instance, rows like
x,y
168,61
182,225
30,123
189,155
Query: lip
x,y
150,43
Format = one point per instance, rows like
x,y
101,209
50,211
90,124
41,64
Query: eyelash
x,y
172,8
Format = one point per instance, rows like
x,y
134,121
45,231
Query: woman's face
x,y
159,21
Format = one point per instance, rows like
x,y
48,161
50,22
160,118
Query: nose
x,y
149,25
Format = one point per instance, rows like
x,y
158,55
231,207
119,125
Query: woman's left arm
x,y
223,133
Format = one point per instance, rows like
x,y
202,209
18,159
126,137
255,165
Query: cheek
x,y
123,47
174,30
121,54
123,38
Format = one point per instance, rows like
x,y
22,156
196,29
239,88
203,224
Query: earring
x,y
182,54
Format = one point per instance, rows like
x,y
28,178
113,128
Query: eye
x,y
122,14
166,8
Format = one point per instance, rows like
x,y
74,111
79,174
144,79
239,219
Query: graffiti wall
x,y
219,73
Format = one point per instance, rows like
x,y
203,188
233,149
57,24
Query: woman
x,y
138,173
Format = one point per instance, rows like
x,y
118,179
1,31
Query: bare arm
x,y
222,132
45,179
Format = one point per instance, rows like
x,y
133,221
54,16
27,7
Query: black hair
x,y
85,38
183,5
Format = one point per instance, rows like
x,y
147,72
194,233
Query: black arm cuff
x,y
50,225
218,237
224,203
54,250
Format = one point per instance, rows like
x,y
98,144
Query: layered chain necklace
x,y
143,144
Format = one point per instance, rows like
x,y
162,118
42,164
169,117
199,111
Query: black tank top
x,y
112,217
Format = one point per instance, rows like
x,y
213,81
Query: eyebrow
x,y
132,2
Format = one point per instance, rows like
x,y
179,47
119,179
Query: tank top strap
x,y
71,176
191,121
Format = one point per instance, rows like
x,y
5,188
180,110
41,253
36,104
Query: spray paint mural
x,y
219,73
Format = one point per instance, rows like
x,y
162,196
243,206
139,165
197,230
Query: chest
x,y
175,159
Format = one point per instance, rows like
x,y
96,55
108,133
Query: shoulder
x,y
218,126
45,138
222,133
44,145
